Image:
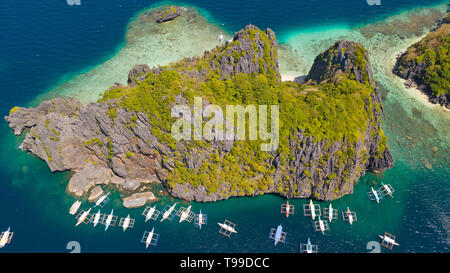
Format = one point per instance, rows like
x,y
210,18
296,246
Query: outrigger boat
x,y
277,235
349,216
6,237
321,226
149,213
287,209
308,248
83,217
330,216
387,190
330,213
200,219
109,219
126,223
388,241
185,214
102,200
377,198
374,195
227,228
97,218
168,212
74,208
311,209
150,238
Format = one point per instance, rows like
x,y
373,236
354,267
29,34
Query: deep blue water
x,y
43,43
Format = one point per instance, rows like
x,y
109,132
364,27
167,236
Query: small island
x,y
330,132
169,14
426,64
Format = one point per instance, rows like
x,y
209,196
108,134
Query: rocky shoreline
x,y
105,144
416,65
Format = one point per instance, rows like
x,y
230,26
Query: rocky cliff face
x,y
425,65
106,143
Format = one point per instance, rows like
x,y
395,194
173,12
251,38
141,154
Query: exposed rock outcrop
x,y
138,199
95,194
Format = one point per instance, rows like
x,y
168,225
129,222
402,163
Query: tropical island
x,y
330,128
426,64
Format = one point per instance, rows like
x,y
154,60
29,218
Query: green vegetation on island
x,y
427,63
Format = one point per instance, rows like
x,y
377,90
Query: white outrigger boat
x,y
330,213
374,195
311,209
185,215
6,237
201,219
102,200
97,218
321,225
150,213
387,190
227,228
388,241
83,217
109,219
126,223
349,216
168,212
74,208
150,238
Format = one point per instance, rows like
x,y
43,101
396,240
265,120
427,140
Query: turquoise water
x,y
91,47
